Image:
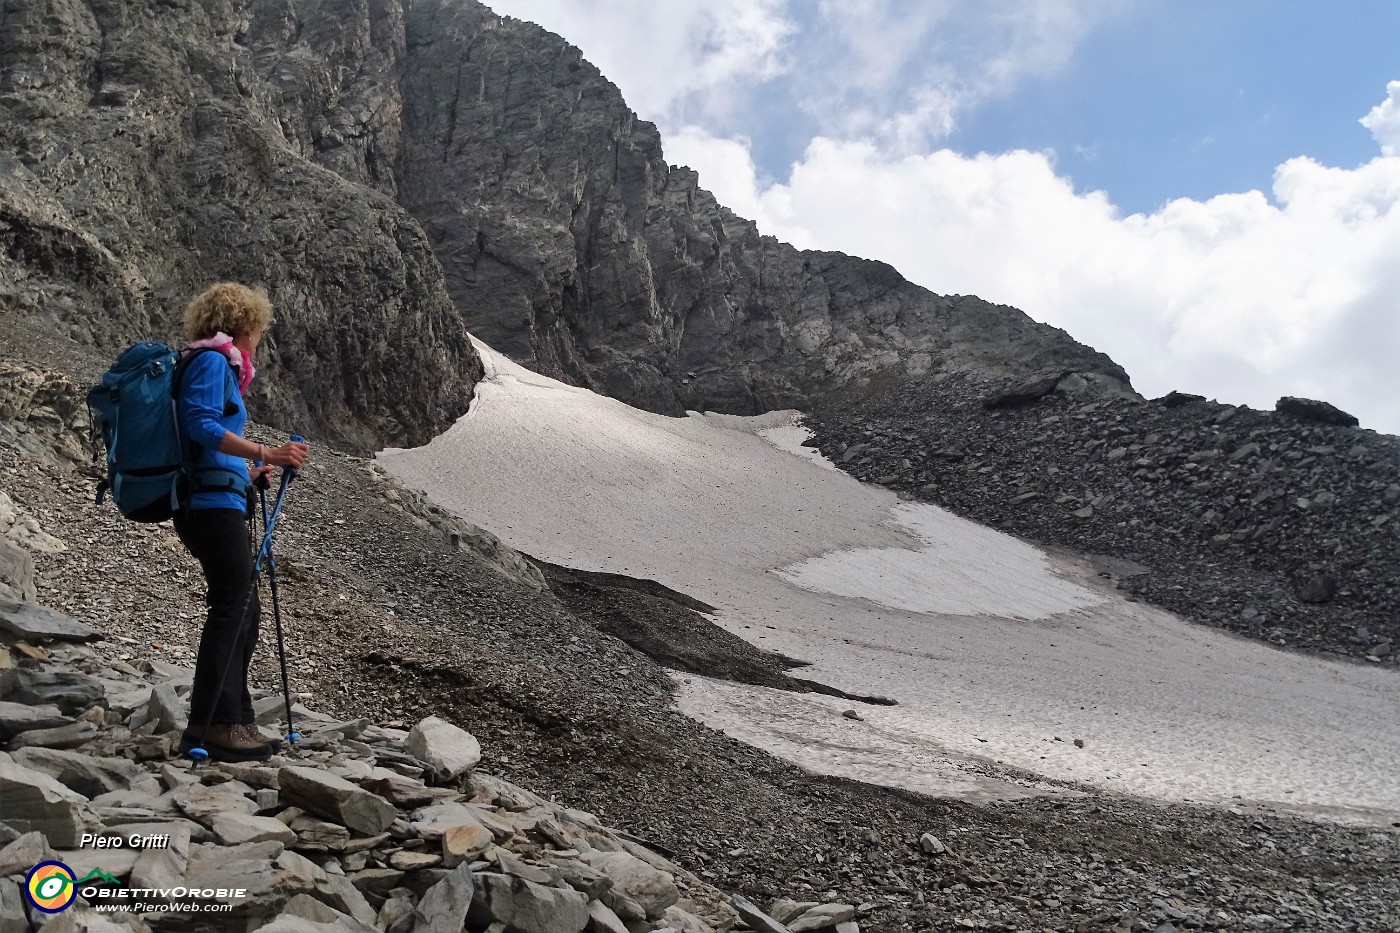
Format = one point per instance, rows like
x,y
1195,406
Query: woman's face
x,y
248,341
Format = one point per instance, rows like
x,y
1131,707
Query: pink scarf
x,y
236,355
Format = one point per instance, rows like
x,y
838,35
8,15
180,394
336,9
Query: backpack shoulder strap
x,y
182,365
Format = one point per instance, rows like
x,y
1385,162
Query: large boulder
x,y
335,798
527,907
1313,410
448,750
31,801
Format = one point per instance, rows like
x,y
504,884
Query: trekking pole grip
x,y
292,471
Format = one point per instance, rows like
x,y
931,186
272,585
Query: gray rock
x,y
1313,410
12,918
29,622
31,801
590,882
413,860
1317,589
70,691
233,828
73,735
335,798
432,822
443,909
204,802
332,921
24,853
164,868
128,700
396,915
166,709
1175,399
931,844
525,906
318,835
822,917
684,921
304,914
401,791
464,843
651,889
16,574
74,920
755,918
88,775
377,881
602,919
448,750
785,909
341,893
21,717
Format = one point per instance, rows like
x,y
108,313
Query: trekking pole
x,y
198,754
288,474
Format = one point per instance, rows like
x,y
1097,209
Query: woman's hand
x,y
292,454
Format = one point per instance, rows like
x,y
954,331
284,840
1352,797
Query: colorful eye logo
x,y
51,887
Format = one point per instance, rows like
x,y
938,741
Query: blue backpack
x,y
150,466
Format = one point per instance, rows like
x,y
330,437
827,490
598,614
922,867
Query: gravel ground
x,y
386,618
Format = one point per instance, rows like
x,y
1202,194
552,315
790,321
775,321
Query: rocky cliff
x,y
149,148
397,174
570,245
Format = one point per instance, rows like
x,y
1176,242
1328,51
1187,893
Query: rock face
x,y
570,245
394,174
147,150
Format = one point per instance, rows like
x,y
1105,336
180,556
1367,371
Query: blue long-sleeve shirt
x,y
210,404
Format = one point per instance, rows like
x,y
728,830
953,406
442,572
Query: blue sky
x,y
1206,190
1189,98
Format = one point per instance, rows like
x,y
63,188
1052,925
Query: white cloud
x,y
1241,297
903,71
674,58
1384,121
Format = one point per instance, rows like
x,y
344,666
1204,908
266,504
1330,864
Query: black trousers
x,y
219,540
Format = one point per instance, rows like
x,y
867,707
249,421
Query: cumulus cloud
x,y
1384,121
674,60
1245,297
900,70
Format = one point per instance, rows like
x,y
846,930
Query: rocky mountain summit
x,y
1282,526
573,247
397,174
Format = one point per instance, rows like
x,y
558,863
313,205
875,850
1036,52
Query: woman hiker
x,y
213,523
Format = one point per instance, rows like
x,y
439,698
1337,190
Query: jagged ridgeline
x,y
398,175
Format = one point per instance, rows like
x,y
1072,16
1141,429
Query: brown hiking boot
x,y
251,731
227,742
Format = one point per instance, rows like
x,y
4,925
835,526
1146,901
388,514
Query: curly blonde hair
x,y
229,307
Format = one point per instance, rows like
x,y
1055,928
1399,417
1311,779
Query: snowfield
x,y
996,651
